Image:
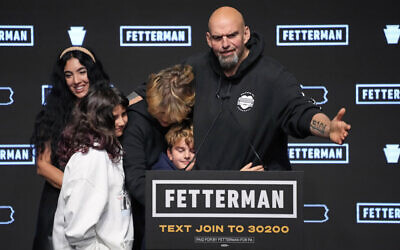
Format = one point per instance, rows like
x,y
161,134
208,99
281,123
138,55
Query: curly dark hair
x,y
53,117
92,125
123,100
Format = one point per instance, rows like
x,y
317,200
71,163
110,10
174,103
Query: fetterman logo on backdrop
x,y
316,213
392,153
378,213
17,154
6,215
318,153
312,35
45,91
77,35
378,93
157,36
317,93
6,96
16,35
392,33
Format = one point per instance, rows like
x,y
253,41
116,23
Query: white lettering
x,y
380,94
181,198
324,34
285,34
248,198
277,199
174,36
167,36
181,36
13,35
315,153
194,193
381,213
222,198
332,35
233,196
2,154
208,193
263,200
339,35
312,34
168,197
219,198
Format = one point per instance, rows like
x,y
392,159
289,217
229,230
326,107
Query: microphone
x,y
190,162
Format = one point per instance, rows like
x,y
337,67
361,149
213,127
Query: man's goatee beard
x,y
228,62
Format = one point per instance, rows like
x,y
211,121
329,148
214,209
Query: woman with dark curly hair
x,y
75,72
93,210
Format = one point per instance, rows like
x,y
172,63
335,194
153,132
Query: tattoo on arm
x,y
318,126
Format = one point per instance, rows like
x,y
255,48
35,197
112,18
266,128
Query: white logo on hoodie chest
x,y
245,101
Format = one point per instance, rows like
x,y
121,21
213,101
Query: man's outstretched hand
x,y
339,129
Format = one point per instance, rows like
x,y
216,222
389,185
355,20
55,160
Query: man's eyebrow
x,y
230,34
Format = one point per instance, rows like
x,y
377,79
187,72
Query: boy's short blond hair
x,y
171,91
178,132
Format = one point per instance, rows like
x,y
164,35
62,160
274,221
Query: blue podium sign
x,y
224,210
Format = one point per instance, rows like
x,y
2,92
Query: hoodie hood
x,y
141,108
255,46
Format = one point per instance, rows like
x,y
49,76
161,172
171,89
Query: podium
x,y
224,210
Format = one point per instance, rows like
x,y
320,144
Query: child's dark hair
x,y
92,125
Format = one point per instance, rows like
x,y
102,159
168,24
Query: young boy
x,y
180,152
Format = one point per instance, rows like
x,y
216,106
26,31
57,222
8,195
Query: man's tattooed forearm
x,y
318,126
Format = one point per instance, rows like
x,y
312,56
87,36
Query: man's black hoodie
x,y
247,117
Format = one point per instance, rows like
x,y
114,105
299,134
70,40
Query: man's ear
x,y
246,34
208,37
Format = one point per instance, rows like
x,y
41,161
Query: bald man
x,y
247,103
227,37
